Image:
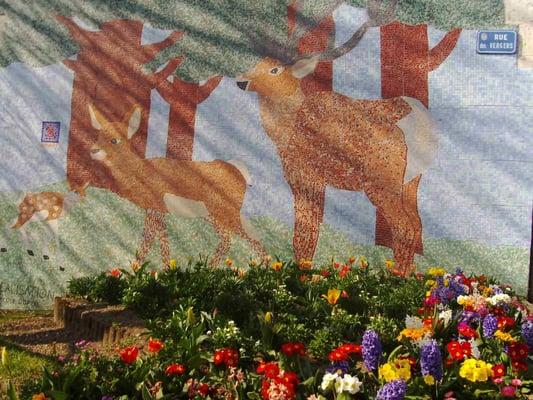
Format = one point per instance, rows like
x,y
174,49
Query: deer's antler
x,y
378,15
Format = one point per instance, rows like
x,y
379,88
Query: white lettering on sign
x,y
500,36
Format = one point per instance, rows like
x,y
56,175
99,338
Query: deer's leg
x,y
388,201
308,214
247,232
223,245
53,226
163,241
410,204
148,236
27,241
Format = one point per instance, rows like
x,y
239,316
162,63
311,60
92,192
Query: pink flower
x,y
508,391
516,382
497,381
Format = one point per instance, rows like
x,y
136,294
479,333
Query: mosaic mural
x,y
306,128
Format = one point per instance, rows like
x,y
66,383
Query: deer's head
x,y
281,71
113,143
271,77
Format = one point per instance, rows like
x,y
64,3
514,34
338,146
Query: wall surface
x,y
474,198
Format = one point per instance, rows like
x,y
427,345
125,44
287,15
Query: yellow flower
x,y
504,336
253,262
276,266
436,271
228,262
475,370
305,264
333,296
135,266
363,262
397,369
389,264
39,396
429,379
268,317
415,333
5,357
172,264
430,282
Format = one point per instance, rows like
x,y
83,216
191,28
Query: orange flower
x,y
115,273
155,346
333,296
351,260
228,262
39,396
276,266
305,264
129,354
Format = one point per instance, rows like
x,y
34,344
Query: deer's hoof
x,y
30,252
3,250
61,269
45,257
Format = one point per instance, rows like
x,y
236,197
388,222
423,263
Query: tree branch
x,y
71,64
166,90
151,50
166,71
441,51
81,36
207,88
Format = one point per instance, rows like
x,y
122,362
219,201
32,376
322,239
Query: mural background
x,y
475,201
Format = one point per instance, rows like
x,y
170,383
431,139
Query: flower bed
x,y
283,330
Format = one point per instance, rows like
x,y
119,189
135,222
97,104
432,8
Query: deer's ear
x,y
133,120
304,67
97,120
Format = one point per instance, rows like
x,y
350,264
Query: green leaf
x,y
58,395
253,396
11,393
146,394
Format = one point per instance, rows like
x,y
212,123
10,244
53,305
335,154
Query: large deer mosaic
x,y
380,147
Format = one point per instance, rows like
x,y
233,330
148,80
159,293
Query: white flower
x,y
423,340
352,384
499,298
446,316
328,380
339,385
413,322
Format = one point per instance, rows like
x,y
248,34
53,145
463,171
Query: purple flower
x,y
527,333
490,326
394,390
342,366
107,398
371,350
431,360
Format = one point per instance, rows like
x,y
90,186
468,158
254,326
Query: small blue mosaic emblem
x,y
497,42
50,132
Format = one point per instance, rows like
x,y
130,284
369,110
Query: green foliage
x,y
206,345
220,35
100,288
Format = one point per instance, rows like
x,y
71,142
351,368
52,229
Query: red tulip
x,y
129,354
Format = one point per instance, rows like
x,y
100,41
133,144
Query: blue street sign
x,y
497,42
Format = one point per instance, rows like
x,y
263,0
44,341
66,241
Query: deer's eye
x,y
115,141
276,71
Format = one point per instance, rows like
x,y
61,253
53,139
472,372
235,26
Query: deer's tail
x,y
420,137
243,170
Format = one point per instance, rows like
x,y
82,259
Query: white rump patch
x,y
422,142
184,207
243,170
